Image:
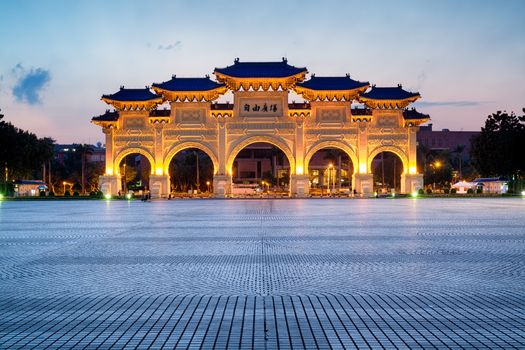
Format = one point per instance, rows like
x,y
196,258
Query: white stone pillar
x,y
222,181
300,181
110,184
109,131
362,179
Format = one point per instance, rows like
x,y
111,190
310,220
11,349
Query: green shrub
x,y
67,193
42,193
479,191
420,191
100,194
453,191
446,190
470,191
429,191
51,194
76,194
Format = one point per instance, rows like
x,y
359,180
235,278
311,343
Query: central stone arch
x,y
127,151
176,148
396,150
246,141
343,146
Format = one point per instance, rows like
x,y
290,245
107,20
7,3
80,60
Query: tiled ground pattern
x,y
264,274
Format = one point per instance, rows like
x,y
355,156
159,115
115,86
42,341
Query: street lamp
x,y
330,167
436,165
64,185
208,185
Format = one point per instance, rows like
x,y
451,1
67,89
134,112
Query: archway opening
x,y
191,171
135,170
330,171
387,168
260,168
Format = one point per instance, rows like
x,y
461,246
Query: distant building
x,y
486,185
97,155
28,188
492,184
445,140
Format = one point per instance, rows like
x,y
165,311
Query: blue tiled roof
x,y
332,83
124,94
490,179
109,116
413,114
389,93
29,182
189,84
260,69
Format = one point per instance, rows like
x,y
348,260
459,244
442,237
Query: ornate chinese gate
x,y
261,113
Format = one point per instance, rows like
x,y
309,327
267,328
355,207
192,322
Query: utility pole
x,y
394,173
383,170
83,167
198,181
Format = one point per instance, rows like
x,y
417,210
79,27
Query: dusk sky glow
x,y
466,58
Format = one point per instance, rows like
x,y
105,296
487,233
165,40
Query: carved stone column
x,y
411,181
362,179
222,181
159,186
110,183
159,182
109,131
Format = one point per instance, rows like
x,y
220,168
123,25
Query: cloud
x,y
175,46
448,103
29,85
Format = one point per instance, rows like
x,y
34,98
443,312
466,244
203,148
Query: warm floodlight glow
x,y
128,196
437,164
1,196
414,194
299,170
109,171
523,193
158,171
330,165
107,196
362,168
412,170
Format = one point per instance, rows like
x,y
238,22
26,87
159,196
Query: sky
x,y
465,57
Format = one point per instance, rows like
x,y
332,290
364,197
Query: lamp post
x,y
330,167
435,165
64,186
125,179
208,186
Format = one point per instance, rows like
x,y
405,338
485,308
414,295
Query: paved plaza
x,y
264,274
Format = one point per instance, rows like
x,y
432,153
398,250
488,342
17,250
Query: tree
x,y
22,153
498,149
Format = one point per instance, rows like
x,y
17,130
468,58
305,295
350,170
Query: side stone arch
x,y
343,146
244,142
177,147
396,150
127,151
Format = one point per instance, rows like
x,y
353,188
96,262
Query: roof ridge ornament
x,y
173,76
207,76
348,75
400,86
121,87
313,75
236,60
285,60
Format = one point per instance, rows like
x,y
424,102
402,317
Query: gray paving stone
x,y
272,274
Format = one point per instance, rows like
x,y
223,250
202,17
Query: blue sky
x,y
466,58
